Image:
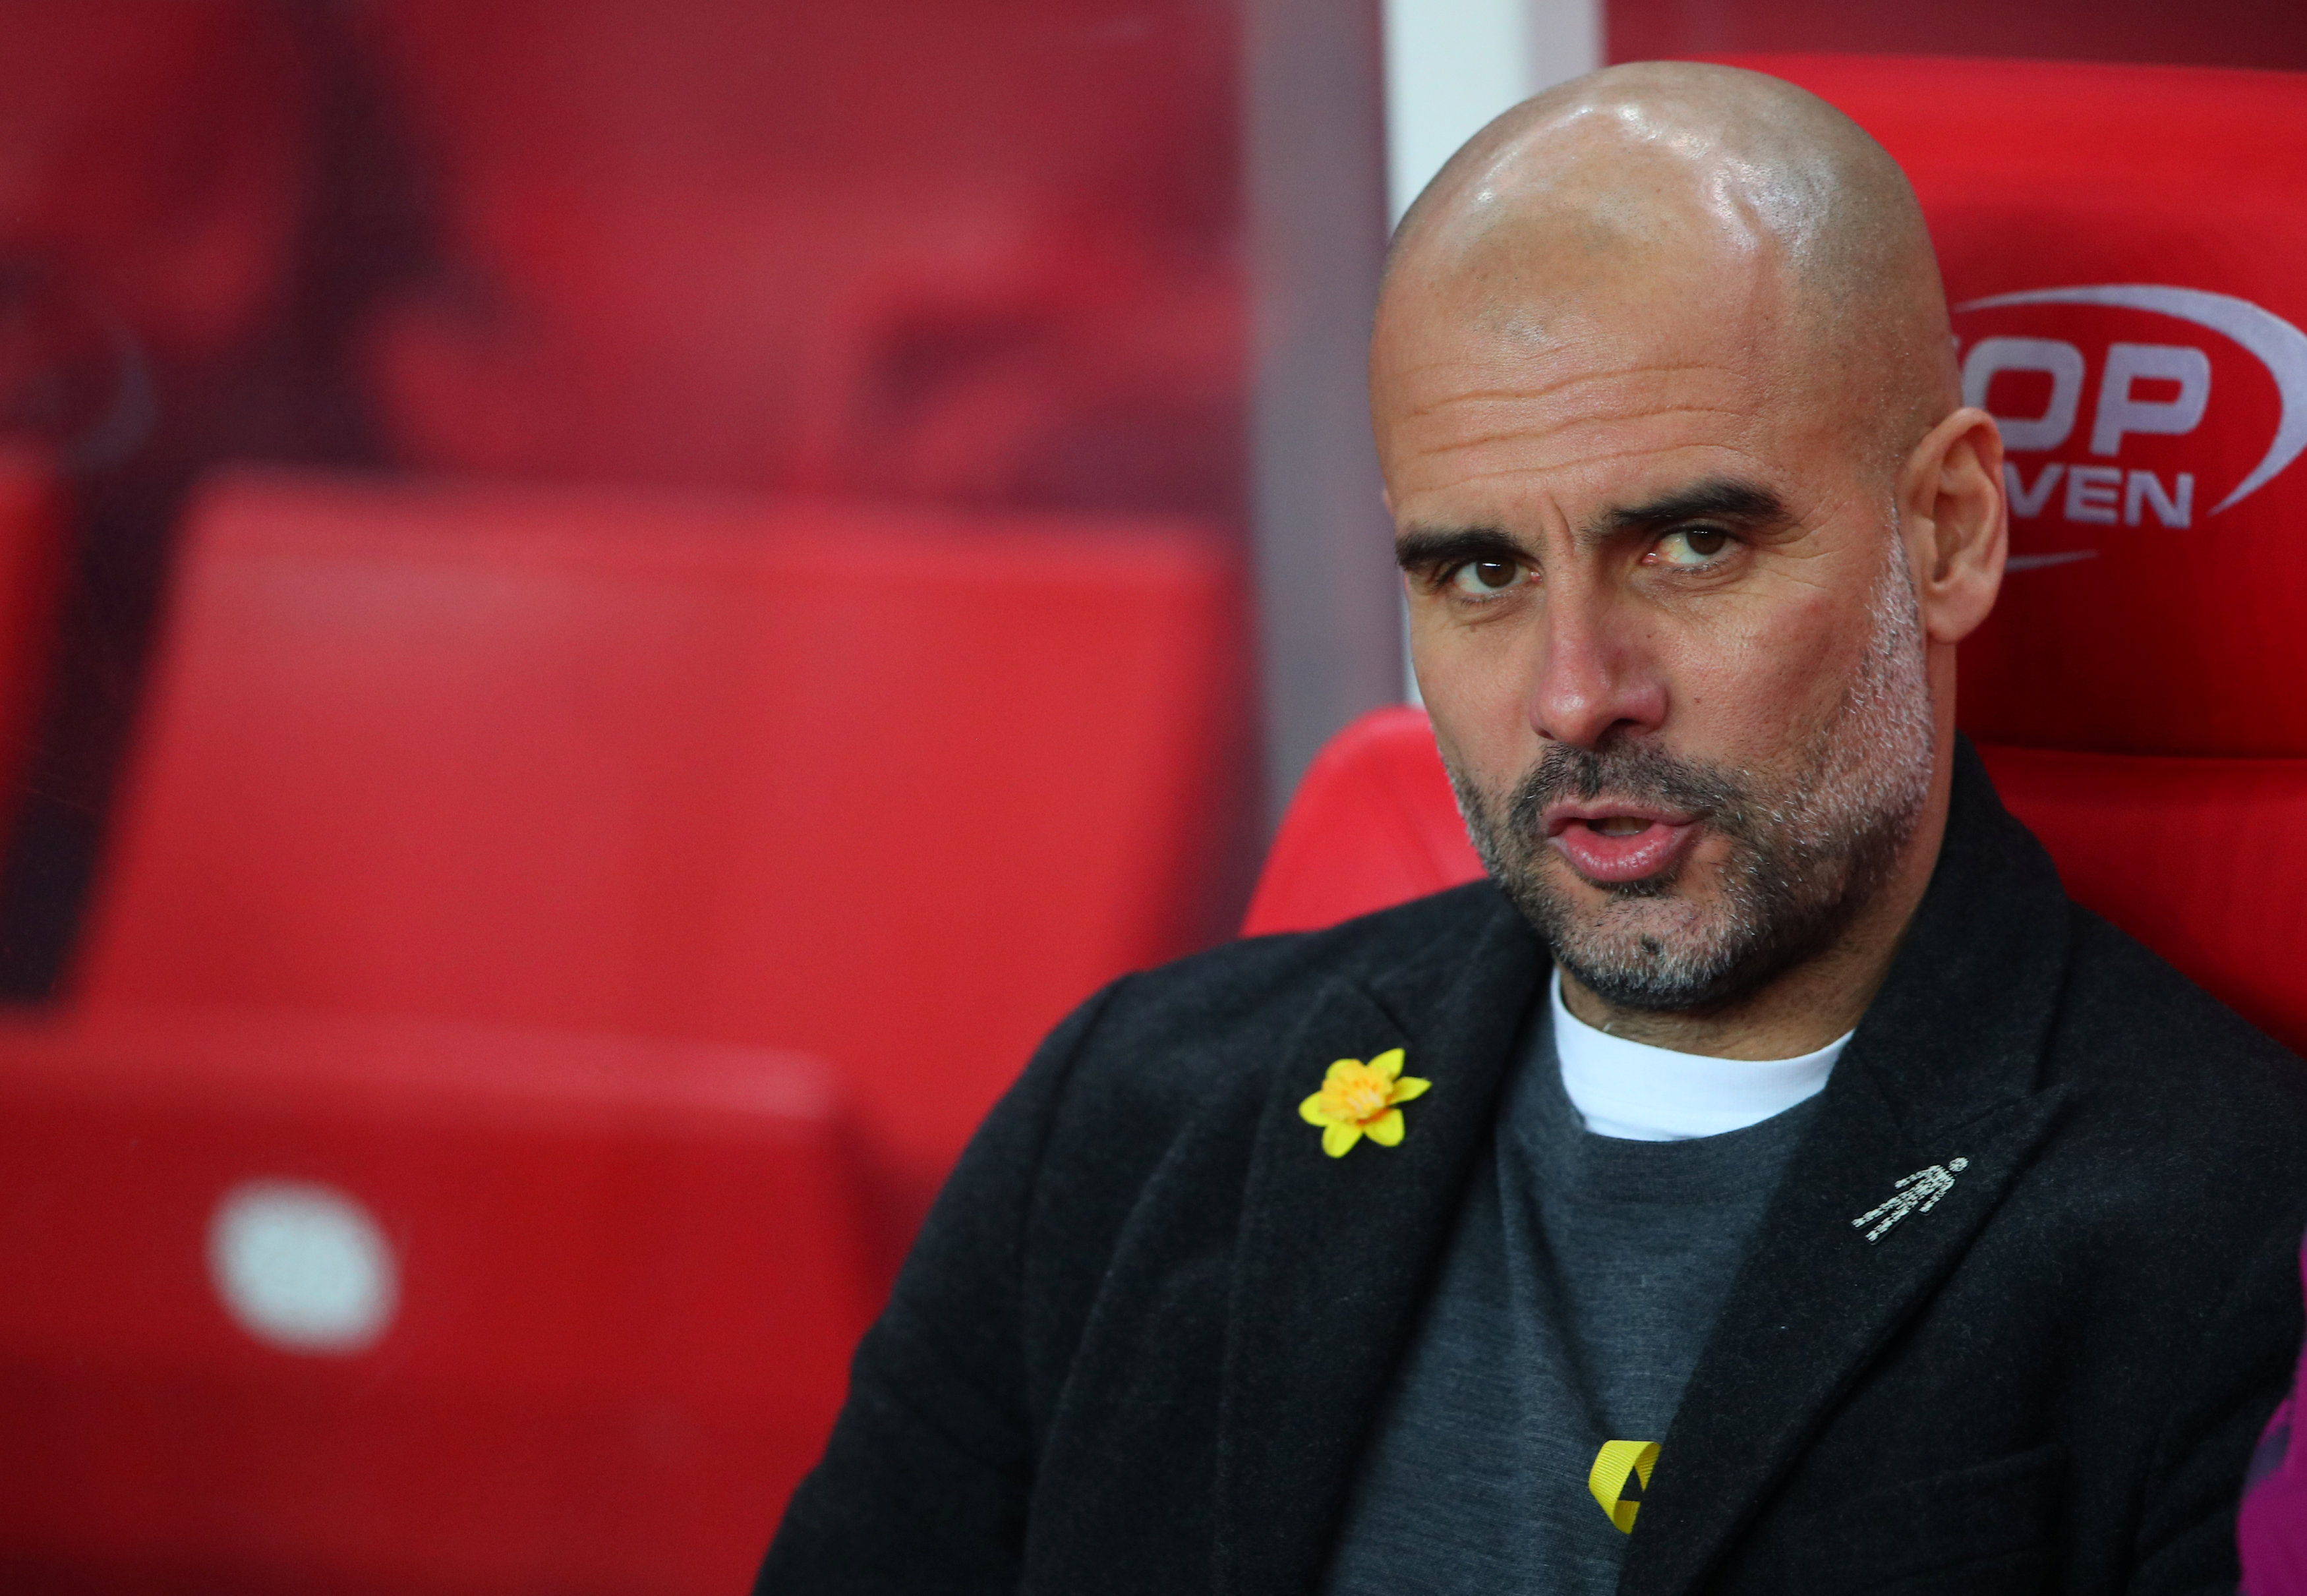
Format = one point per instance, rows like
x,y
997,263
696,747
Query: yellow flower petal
x,y
1312,1112
1338,1141
1408,1087
1345,1068
1388,1063
1386,1129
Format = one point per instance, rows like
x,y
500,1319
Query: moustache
x,y
1641,774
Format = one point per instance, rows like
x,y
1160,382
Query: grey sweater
x,y
1578,1289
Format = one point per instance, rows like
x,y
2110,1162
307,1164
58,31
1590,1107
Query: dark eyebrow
x,y
1711,499
1429,547
1715,499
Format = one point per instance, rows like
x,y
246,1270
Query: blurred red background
x,y
606,609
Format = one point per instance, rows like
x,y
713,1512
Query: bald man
x,y
1767,1181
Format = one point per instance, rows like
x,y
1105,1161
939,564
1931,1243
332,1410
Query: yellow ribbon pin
x,y
1617,1464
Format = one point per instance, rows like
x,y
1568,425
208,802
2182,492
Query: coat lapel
x,y
1335,1254
1943,1067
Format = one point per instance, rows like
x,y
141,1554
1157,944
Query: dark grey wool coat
x,y
1138,1345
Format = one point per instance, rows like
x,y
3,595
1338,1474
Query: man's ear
x,y
1958,525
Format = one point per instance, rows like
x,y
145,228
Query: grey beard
x,y
1805,858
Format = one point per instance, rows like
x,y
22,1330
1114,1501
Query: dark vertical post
x,y
1328,607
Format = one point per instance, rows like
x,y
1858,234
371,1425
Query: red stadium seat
x,y
2197,858
327,1306
893,787
1373,824
30,565
2122,248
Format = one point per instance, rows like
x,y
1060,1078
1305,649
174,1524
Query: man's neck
x,y
1810,1003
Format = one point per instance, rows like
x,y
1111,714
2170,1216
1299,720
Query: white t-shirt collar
x,y
1639,1093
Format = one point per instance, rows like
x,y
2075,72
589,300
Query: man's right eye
x,y
1486,578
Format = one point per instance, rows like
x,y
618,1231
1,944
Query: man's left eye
x,y
1486,578
1692,546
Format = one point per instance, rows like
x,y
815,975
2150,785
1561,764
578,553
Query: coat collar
x,y
1335,1255
1944,1065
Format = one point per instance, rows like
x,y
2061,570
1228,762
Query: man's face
x,y
1661,614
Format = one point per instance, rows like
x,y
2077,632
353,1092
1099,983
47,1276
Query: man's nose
x,y
1598,674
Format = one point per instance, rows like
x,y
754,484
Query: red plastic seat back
x,y
355,1306
1372,825
2203,859
892,787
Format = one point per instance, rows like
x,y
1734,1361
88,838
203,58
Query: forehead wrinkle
x,y
1627,396
1575,426
1511,396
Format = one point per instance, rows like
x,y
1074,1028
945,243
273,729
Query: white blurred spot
x,y
301,1266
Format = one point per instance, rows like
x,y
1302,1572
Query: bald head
x,y
1591,208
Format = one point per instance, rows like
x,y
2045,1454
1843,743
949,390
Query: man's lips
x,y
1611,844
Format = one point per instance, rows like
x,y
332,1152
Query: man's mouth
x,y
1611,844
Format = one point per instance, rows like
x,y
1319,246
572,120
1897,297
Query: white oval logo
x,y
2280,347
301,1266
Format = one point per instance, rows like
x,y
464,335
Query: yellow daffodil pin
x,y
1359,1099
